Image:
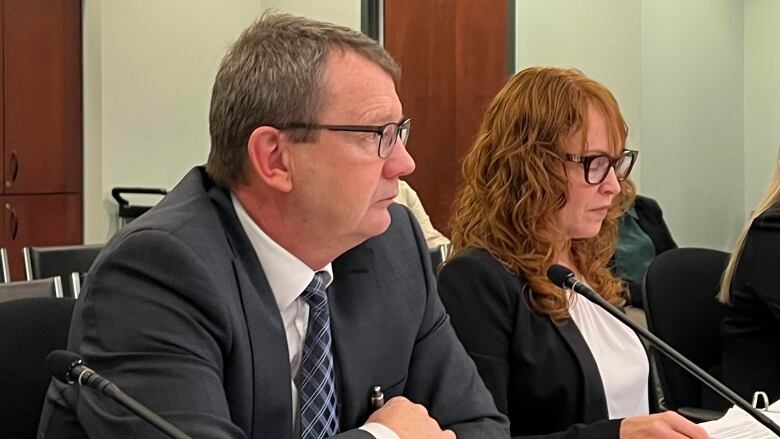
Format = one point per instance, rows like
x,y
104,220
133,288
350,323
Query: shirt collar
x,y
287,275
632,213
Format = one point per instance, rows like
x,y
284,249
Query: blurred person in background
x,y
751,328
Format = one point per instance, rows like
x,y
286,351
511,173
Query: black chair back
x,y
438,255
29,330
76,280
41,262
680,295
49,287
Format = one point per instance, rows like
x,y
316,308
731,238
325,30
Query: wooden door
x,y
42,96
39,220
453,56
40,127
2,99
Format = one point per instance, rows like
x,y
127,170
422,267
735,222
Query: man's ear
x,y
269,158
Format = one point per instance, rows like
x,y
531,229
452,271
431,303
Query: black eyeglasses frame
x,y
402,130
586,161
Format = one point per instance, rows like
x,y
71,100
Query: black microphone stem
x,y
67,367
683,362
144,413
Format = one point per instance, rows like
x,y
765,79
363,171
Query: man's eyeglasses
x,y
387,134
597,167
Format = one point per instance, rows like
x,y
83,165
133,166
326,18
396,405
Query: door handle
x,y
14,169
14,221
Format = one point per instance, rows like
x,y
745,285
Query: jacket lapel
x,y
272,405
594,405
354,335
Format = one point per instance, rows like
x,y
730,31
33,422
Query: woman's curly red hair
x,y
514,182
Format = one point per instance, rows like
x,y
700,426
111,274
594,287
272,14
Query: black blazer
x,y
177,311
651,220
751,328
542,374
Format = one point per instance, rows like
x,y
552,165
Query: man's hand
x,y
661,426
409,420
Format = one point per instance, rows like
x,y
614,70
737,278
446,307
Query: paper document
x,y
736,424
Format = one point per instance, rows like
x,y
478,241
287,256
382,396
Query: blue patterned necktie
x,y
317,390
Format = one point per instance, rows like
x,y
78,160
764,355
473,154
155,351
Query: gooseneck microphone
x,y
68,367
564,278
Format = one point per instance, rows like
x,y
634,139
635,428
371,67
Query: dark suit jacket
x,y
177,312
651,220
542,374
751,328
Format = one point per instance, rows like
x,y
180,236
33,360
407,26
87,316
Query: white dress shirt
x,y
288,277
620,357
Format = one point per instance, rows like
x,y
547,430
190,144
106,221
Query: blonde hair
x,y
771,197
514,183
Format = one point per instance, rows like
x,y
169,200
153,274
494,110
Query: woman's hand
x,y
666,425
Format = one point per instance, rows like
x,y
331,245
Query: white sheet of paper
x,y
736,424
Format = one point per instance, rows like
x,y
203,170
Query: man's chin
x,y
377,224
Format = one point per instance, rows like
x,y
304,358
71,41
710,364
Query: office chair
x,y
40,262
6,271
439,255
76,279
680,290
29,330
49,287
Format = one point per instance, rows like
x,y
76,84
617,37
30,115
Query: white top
x,y
288,277
620,357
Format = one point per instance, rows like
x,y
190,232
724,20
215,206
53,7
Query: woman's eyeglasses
x,y
596,167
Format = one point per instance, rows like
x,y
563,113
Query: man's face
x,y
341,187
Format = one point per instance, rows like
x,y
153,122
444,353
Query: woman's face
x,y
587,204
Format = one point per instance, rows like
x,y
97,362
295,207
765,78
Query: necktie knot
x,y
315,294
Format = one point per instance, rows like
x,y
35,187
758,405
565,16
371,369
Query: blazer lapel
x,y
595,402
272,405
354,335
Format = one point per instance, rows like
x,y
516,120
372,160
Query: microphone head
x,y
59,363
559,275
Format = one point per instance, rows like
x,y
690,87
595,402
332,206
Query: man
x,y
267,295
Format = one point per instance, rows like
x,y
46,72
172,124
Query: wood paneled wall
x,y
453,56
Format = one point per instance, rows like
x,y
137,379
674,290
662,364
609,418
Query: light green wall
x,y
148,70
762,96
343,12
599,37
692,114
96,218
696,80
676,69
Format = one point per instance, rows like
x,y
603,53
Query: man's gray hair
x,y
272,75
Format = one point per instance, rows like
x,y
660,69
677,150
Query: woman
x,y
751,328
540,188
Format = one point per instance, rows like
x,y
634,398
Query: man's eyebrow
x,y
379,117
